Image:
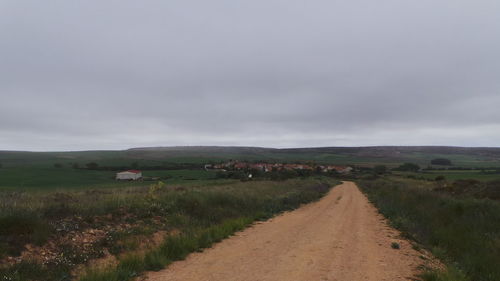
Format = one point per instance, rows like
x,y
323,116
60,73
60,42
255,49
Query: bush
x,y
440,178
19,229
441,161
408,167
380,169
92,166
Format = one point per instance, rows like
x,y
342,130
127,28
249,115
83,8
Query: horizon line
x,y
243,146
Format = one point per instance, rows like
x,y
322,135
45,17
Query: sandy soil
x,y
340,237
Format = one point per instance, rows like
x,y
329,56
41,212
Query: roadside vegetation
x,y
50,235
458,221
453,174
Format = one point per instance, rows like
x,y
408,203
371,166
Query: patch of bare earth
x,y
108,260
81,244
342,237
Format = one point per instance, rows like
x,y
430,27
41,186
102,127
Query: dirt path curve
x,y
341,237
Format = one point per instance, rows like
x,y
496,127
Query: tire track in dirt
x,y
341,238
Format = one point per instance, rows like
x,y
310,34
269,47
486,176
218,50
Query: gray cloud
x,y
118,74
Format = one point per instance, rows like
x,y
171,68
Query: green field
x,y
453,175
36,170
40,178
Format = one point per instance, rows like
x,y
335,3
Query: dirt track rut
x,y
341,237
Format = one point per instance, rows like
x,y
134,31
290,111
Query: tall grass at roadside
x,y
203,215
172,249
464,232
199,235
451,274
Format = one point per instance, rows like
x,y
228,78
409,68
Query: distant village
x,y
234,165
269,167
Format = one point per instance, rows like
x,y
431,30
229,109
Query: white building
x,y
129,175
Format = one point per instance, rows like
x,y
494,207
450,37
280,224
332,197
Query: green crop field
x,y
40,178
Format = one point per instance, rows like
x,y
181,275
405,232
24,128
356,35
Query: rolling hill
x,y
388,155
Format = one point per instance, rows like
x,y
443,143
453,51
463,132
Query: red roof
x,y
134,171
240,165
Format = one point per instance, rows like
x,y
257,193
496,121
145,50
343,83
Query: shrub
x,y
441,161
395,245
16,230
408,167
380,169
440,178
92,166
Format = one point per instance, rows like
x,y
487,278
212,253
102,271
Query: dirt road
x,y
341,237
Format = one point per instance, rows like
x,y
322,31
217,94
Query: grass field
x,y
453,175
461,231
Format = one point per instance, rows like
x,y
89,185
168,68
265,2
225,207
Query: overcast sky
x,y
78,75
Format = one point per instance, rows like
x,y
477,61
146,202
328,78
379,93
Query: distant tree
x,y
134,165
380,169
441,161
58,165
221,175
92,166
440,178
408,167
75,166
318,170
1,166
